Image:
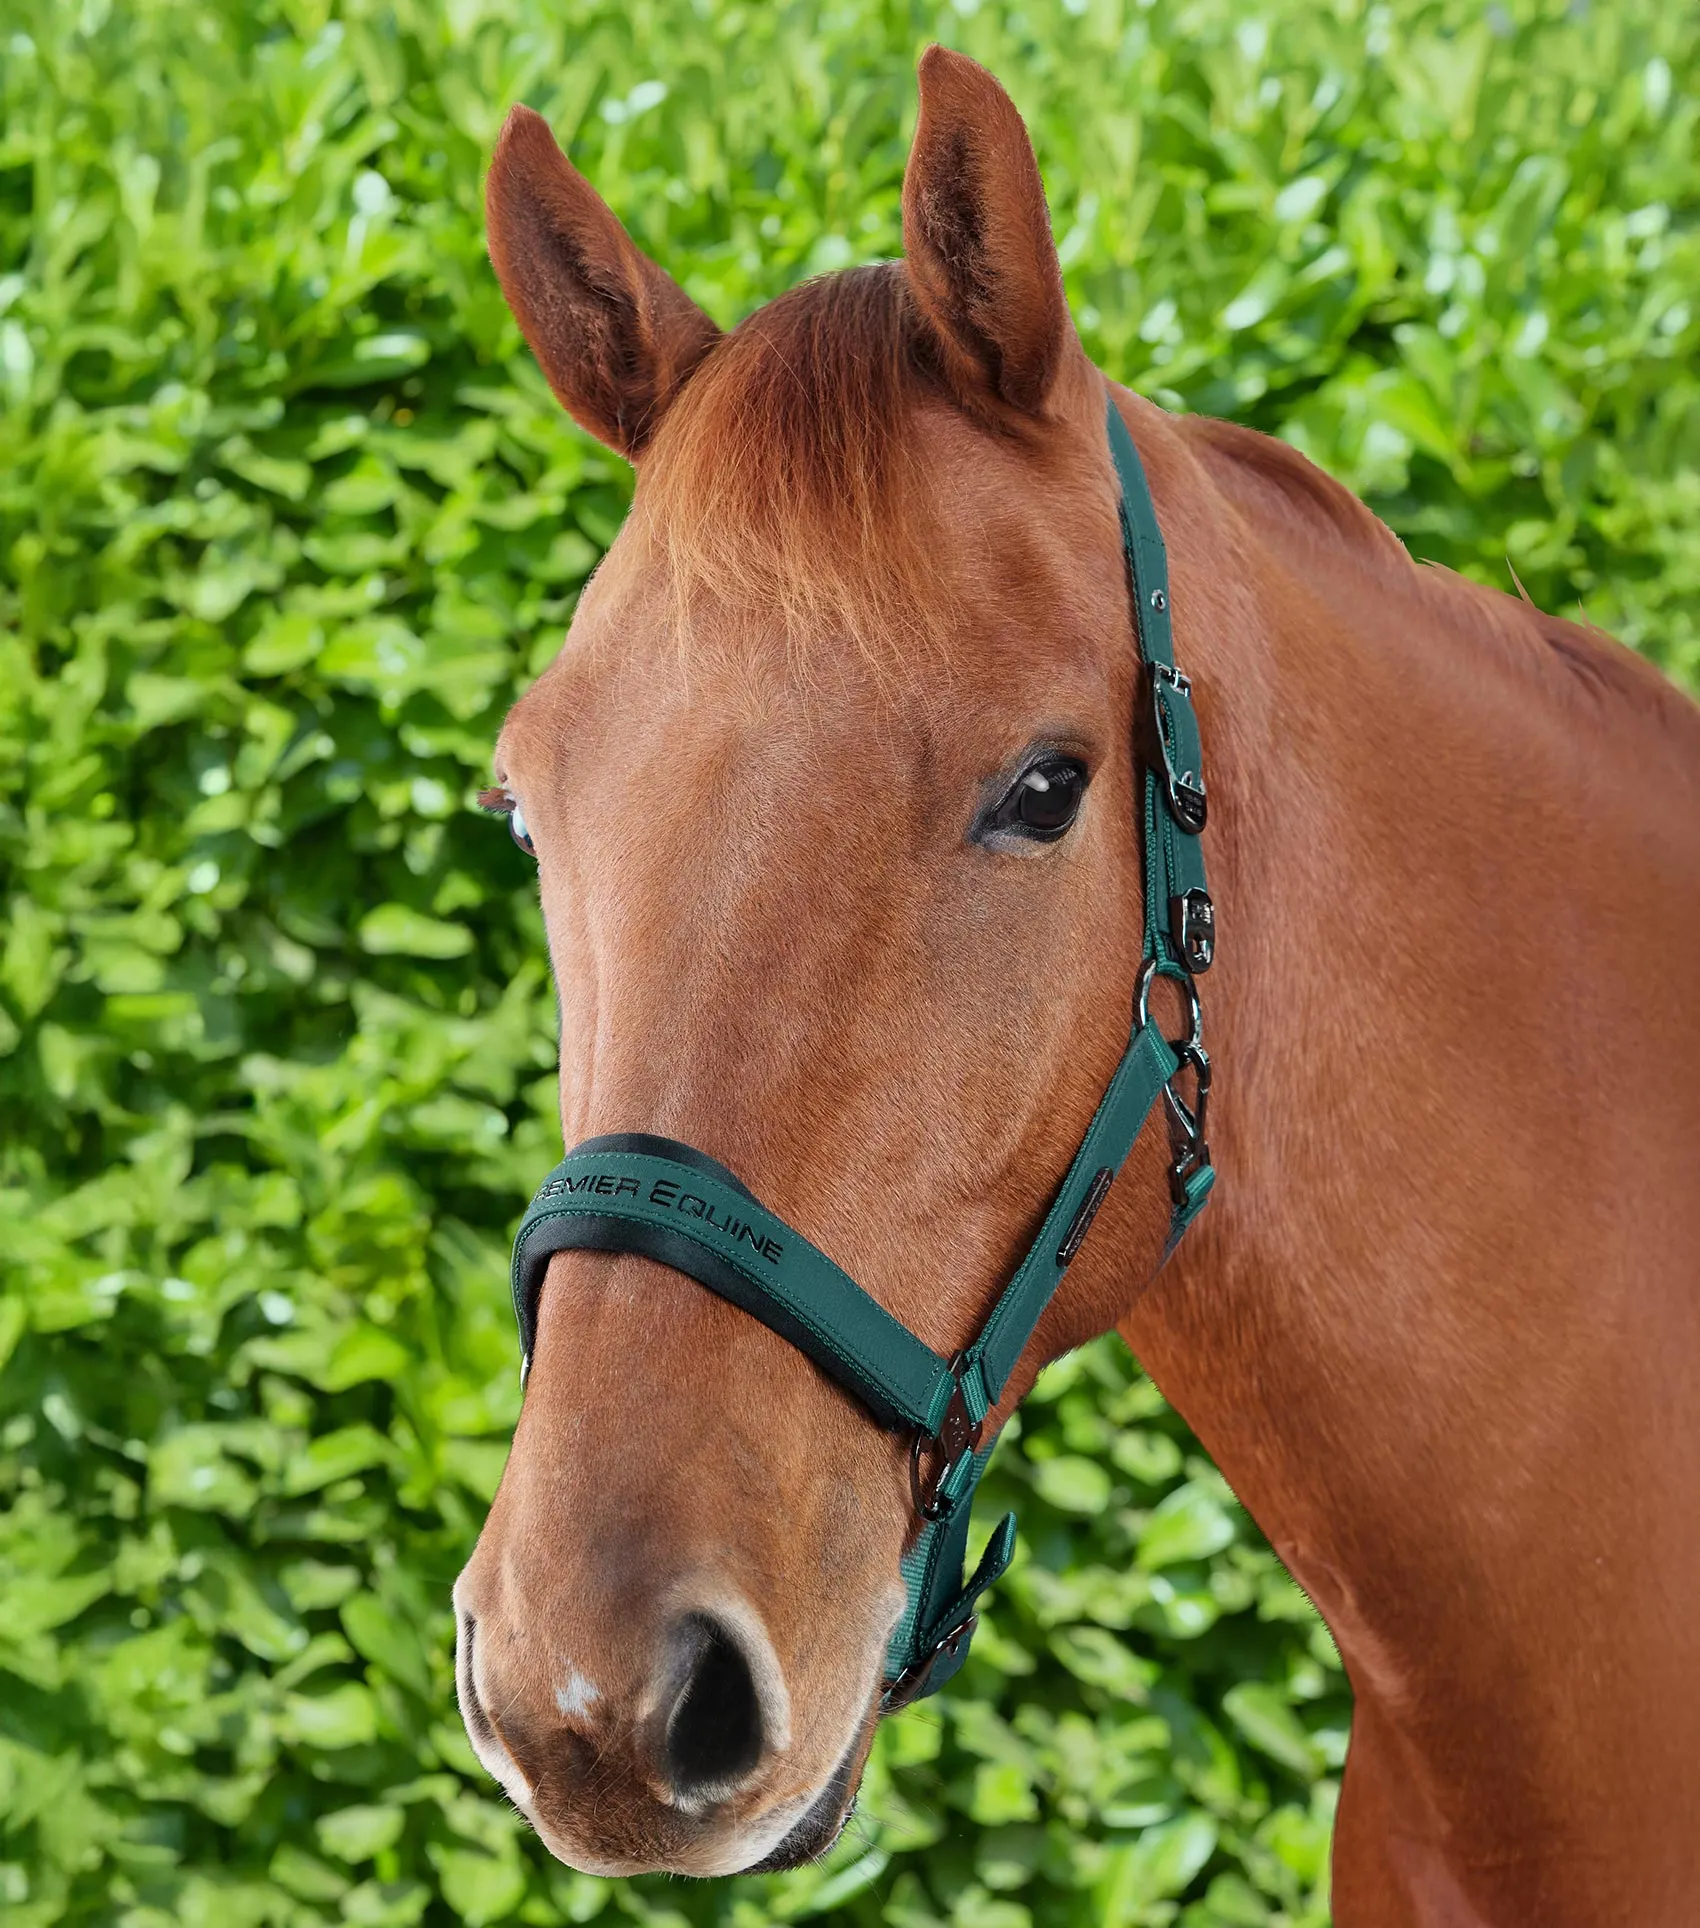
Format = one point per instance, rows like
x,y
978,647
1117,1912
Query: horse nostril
x,y
471,1708
714,1733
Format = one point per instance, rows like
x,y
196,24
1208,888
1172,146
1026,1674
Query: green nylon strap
x,y
1142,539
1174,857
938,1602
673,1203
1146,1066
793,1286
846,1331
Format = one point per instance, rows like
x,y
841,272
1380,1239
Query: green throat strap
x,y
634,1192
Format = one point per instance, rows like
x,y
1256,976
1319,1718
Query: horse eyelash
x,y
497,802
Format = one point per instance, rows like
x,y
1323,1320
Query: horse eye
x,y
1045,800
518,831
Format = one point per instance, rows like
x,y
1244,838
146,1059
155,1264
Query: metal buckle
x,y
958,1439
1192,929
908,1684
1183,789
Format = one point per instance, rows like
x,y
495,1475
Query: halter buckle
x,y
911,1683
1169,733
1192,929
958,1439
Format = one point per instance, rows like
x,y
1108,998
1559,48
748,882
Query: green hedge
x,y
287,519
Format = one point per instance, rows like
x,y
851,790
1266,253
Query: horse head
x,y
833,807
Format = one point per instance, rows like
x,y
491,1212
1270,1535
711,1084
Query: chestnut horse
x,y
1440,1326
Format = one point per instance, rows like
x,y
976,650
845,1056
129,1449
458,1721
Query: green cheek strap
x,y
669,1202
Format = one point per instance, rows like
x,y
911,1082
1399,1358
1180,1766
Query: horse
x,y
1440,1327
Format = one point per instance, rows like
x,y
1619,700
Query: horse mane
x,y
786,478
1294,485
1577,660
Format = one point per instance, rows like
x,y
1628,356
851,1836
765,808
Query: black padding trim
x,y
536,1247
648,1145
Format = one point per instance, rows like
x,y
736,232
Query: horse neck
x,y
1438,1326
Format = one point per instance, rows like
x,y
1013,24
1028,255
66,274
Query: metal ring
x,y
1148,969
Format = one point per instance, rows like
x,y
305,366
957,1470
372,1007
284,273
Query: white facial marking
x,y
577,1695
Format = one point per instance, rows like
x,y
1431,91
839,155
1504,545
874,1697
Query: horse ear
x,y
614,334
977,238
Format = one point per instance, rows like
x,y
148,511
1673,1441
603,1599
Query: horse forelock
x,y
789,478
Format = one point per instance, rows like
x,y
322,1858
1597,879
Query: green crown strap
x,y
1179,920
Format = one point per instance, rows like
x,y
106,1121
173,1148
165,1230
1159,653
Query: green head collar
x,y
672,1203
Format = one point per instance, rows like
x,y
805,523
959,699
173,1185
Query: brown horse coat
x,y
1440,1326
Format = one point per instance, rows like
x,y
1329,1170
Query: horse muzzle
x,y
683,1763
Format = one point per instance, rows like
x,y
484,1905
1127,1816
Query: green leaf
x,y
361,1354
388,1641
32,1604
839,1886
580,1897
974,1908
191,1468
334,1456
343,1717
376,358
479,1887
1096,1656
386,1904
279,475
1162,1862
368,487
356,1834
1002,1793
311,1584
1072,1484
393,930
380,654
303,1876
1232,1902
1187,1524
1299,1840
1152,1458
284,644
13,1320
476,1463
1270,1724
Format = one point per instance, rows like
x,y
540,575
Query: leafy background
x,y
287,518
